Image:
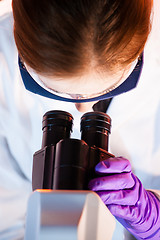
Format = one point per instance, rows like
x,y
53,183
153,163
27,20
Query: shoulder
x,y
8,60
6,24
155,20
8,50
7,44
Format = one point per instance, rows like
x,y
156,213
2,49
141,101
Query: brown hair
x,y
61,37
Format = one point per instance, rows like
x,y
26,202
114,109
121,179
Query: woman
x,y
83,52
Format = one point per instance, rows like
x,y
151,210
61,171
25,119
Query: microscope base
x,y
68,215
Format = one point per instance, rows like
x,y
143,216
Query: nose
x,y
84,107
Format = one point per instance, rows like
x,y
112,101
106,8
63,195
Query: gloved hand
x,y
137,209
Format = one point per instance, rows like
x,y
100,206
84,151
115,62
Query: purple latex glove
x,y
137,209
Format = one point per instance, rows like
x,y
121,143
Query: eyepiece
x,y
56,125
95,128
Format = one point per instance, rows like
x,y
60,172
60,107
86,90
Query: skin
x,y
90,83
84,107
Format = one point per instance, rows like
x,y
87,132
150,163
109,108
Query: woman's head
x,y
80,40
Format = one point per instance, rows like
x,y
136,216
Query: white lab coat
x,y
135,127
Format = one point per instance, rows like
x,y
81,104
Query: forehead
x,y
89,83
35,87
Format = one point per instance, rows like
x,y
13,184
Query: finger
x,y
129,213
112,182
120,197
113,165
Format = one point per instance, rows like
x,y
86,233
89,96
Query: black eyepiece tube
x,y
95,129
56,125
65,163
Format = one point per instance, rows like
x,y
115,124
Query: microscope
x,y
61,206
